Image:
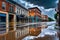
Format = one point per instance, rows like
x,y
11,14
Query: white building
x,y
21,13
20,10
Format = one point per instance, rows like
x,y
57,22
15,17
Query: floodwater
x,y
48,33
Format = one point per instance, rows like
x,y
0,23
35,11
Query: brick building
x,y
44,17
35,14
7,20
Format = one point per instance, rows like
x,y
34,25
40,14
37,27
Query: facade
x,y
58,18
7,20
10,11
44,17
58,13
34,14
34,17
21,15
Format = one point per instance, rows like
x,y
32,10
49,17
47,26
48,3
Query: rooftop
x,y
15,3
34,8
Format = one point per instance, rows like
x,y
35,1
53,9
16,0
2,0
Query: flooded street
x,y
48,33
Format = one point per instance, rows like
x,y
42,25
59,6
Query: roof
x,y
34,8
15,3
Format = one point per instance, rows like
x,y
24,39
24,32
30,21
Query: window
x,y
11,8
2,23
19,11
3,5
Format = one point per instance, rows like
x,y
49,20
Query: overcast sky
x,y
46,6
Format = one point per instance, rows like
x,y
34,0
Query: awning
x,y
2,14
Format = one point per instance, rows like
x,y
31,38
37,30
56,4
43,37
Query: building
x,y
9,12
21,15
34,14
44,17
58,13
57,19
7,20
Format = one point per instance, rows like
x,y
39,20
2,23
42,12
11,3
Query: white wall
x,y
21,11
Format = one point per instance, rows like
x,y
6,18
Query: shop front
x,y
3,25
3,22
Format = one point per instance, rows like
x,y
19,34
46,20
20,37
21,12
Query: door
x,y
11,22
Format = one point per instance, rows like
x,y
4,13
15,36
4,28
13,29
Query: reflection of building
x,y
34,14
7,20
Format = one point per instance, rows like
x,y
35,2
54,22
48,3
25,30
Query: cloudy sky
x,y
46,6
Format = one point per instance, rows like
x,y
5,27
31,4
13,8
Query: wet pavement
x,y
49,33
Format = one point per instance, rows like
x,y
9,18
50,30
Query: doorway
x,y
11,22
2,23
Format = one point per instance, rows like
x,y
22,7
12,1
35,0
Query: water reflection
x,y
48,33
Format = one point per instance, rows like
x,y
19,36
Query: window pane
x,y
3,5
2,23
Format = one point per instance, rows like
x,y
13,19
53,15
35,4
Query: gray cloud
x,y
45,3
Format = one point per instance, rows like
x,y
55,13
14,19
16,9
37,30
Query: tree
x,y
55,16
50,19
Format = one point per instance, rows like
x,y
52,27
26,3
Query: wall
x,y
7,6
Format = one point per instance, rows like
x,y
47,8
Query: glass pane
x,y
2,23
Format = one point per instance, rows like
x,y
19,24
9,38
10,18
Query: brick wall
x,y
7,6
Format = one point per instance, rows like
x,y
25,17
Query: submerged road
x,y
48,33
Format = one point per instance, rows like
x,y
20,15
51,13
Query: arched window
x,y
3,5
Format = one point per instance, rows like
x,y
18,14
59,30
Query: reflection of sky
x,y
42,4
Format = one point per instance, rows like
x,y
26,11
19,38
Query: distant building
x,y
35,14
44,17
